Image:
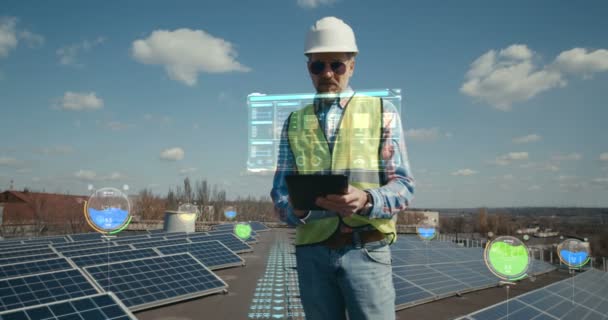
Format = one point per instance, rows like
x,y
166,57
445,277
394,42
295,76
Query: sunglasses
x,y
317,67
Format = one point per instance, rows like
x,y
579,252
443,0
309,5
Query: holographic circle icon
x,y
426,232
574,253
242,230
230,213
507,257
108,210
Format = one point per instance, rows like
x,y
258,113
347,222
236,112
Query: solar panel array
x,y
149,282
583,297
43,288
33,267
96,259
212,254
19,253
157,243
228,239
85,236
99,306
429,270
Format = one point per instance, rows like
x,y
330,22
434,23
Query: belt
x,y
341,239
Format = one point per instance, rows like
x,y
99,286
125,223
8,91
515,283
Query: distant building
x,y
40,212
528,230
415,217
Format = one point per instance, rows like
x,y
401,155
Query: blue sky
x,y
504,103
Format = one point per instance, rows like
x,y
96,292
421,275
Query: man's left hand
x,y
344,204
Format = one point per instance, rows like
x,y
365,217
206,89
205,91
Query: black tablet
x,y
304,189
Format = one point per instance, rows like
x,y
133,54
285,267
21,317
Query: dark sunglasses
x,y
317,67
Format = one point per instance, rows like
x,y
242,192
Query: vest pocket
x,y
380,255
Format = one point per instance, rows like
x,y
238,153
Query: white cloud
x,y
186,171
8,162
117,125
90,175
185,52
540,166
510,157
56,150
534,188
604,156
33,40
311,4
464,172
508,76
79,101
172,154
581,62
87,175
8,36
423,134
603,181
527,139
565,178
567,157
68,54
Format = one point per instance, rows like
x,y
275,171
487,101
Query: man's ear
x,y
351,68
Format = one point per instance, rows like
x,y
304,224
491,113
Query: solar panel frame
x,y
13,254
77,243
44,288
229,240
153,244
207,252
136,303
76,247
34,267
46,240
24,246
102,309
86,252
28,258
119,256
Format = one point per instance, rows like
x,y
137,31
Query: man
x,y
343,256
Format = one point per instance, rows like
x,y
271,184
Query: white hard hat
x,y
330,34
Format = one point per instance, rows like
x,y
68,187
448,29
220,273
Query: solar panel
x,y
33,267
258,226
185,235
156,231
85,236
78,243
47,240
28,258
153,244
85,252
77,246
130,240
212,254
432,270
43,288
228,239
99,306
14,254
95,259
151,282
583,297
24,247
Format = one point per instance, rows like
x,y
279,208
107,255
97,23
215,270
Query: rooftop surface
x,y
240,301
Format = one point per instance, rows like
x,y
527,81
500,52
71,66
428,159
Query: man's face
x,y
327,73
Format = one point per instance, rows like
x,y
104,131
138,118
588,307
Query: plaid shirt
x,y
397,190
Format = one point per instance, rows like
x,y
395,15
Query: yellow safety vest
x,y
356,153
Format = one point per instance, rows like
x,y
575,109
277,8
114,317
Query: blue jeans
x,y
357,279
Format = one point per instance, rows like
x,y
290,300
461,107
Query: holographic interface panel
x,y
268,113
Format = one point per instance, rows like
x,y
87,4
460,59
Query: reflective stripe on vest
x,y
356,153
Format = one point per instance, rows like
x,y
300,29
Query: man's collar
x,y
328,99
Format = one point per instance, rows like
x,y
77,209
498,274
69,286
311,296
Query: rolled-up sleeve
x,y
397,190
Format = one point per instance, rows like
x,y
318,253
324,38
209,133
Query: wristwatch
x,y
369,205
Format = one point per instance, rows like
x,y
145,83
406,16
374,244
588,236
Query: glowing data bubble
x,y
230,214
242,230
426,232
507,258
574,253
526,237
108,210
